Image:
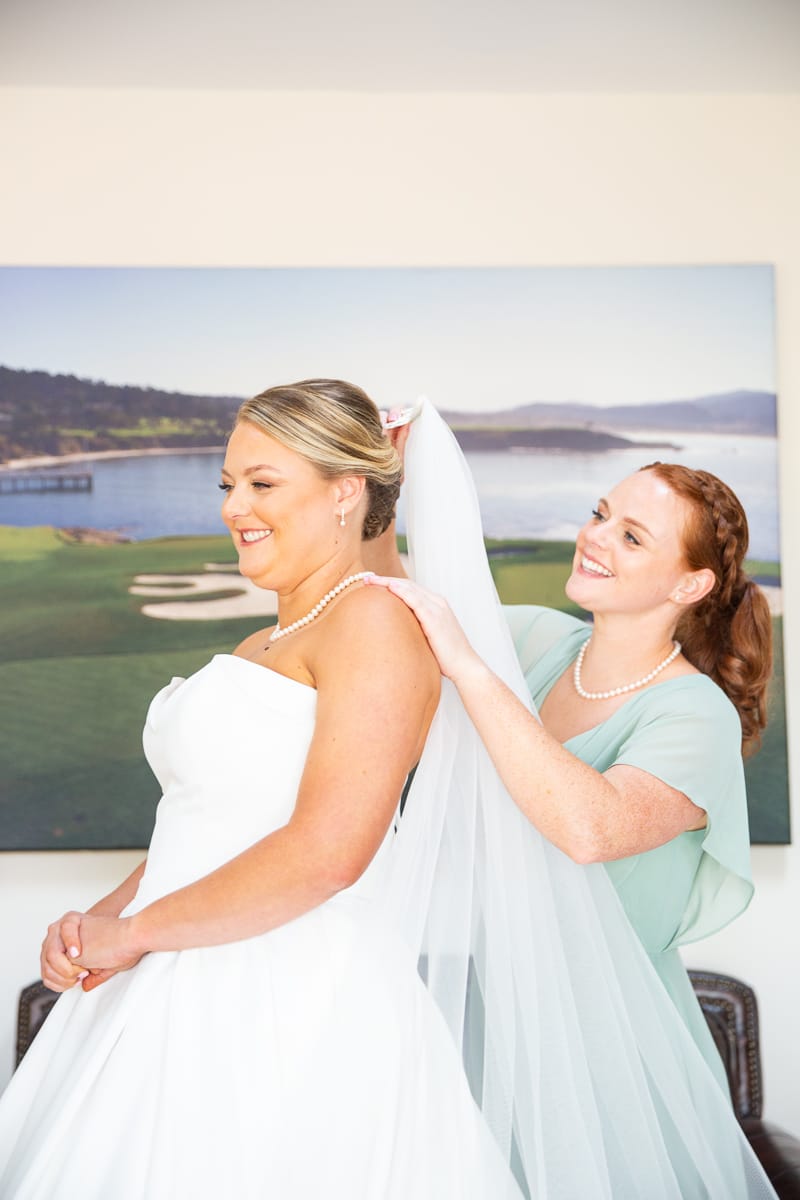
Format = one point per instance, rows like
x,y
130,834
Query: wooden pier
x,y
45,481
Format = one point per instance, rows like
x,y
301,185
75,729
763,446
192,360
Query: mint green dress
x,y
687,733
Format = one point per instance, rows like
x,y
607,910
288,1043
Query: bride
x,y
244,1016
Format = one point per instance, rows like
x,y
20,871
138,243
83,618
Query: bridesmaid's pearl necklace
x,y
318,607
618,691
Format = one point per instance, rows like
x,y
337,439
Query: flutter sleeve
x,y
536,630
691,739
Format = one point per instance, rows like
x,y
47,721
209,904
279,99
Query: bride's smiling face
x,y
280,510
629,556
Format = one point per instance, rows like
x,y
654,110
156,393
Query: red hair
x,y
728,634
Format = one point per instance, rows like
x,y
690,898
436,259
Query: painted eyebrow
x,y
252,470
628,520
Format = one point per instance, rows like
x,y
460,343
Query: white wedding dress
x,y
307,1062
312,1061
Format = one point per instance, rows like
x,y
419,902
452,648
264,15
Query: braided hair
x,y
728,634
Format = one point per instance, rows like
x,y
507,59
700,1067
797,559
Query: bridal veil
x,y
583,1068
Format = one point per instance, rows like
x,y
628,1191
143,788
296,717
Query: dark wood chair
x,y
730,1009
35,1002
732,1014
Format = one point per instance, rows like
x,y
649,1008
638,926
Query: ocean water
x,y
550,495
542,494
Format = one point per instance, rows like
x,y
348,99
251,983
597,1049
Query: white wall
x,y
172,178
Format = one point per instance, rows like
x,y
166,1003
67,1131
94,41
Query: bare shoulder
x,y
253,645
373,612
375,627
380,603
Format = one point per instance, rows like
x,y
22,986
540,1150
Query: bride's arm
x,y
374,674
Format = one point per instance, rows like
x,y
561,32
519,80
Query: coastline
x,y
56,460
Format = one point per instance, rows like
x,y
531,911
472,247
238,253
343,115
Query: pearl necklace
x,y
318,607
618,691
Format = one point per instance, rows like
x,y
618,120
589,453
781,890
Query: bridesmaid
x,y
636,761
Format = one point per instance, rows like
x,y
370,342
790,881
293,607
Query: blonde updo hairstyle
x,y
728,634
336,427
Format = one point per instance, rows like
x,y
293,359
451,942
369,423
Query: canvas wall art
x,y
117,390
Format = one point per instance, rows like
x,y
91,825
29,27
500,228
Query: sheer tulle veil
x,y
581,1065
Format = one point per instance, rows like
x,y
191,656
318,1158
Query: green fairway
x,y
79,664
533,579
767,772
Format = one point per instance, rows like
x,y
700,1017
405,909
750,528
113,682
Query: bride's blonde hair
x,y
335,426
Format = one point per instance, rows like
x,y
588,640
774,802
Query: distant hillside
x,y
727,412
60,414
572,438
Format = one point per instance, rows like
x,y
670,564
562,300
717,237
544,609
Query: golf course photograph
x,y
118,388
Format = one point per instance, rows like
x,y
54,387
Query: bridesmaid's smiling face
x,y
281,512
629,556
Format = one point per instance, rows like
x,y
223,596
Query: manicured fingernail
x,y
73,952
82,975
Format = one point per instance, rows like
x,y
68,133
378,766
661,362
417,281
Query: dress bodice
x,y
211,740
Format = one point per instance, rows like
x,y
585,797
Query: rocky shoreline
x,y
41,461
475,439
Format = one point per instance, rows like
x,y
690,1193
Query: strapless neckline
x,y
270,671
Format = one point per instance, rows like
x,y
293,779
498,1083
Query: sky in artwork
x,y
472,339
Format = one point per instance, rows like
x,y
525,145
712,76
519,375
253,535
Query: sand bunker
x,y
247,600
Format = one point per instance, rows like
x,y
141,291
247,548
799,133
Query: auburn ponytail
x,y
728,634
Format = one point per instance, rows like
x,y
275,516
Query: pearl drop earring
x,y
342,521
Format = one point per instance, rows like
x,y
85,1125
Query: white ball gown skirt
x,y
309,1061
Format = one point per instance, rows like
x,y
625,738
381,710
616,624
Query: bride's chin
x,y
252,570
261,577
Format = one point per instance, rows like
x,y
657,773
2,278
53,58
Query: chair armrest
x,y
35,1002
779,1154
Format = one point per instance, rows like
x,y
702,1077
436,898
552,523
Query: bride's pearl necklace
x,y
618,691
318,607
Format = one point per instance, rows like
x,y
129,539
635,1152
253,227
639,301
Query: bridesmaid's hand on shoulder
x,y
445,636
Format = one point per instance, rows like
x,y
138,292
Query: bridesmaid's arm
x,y
381,554
367,682
591,816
